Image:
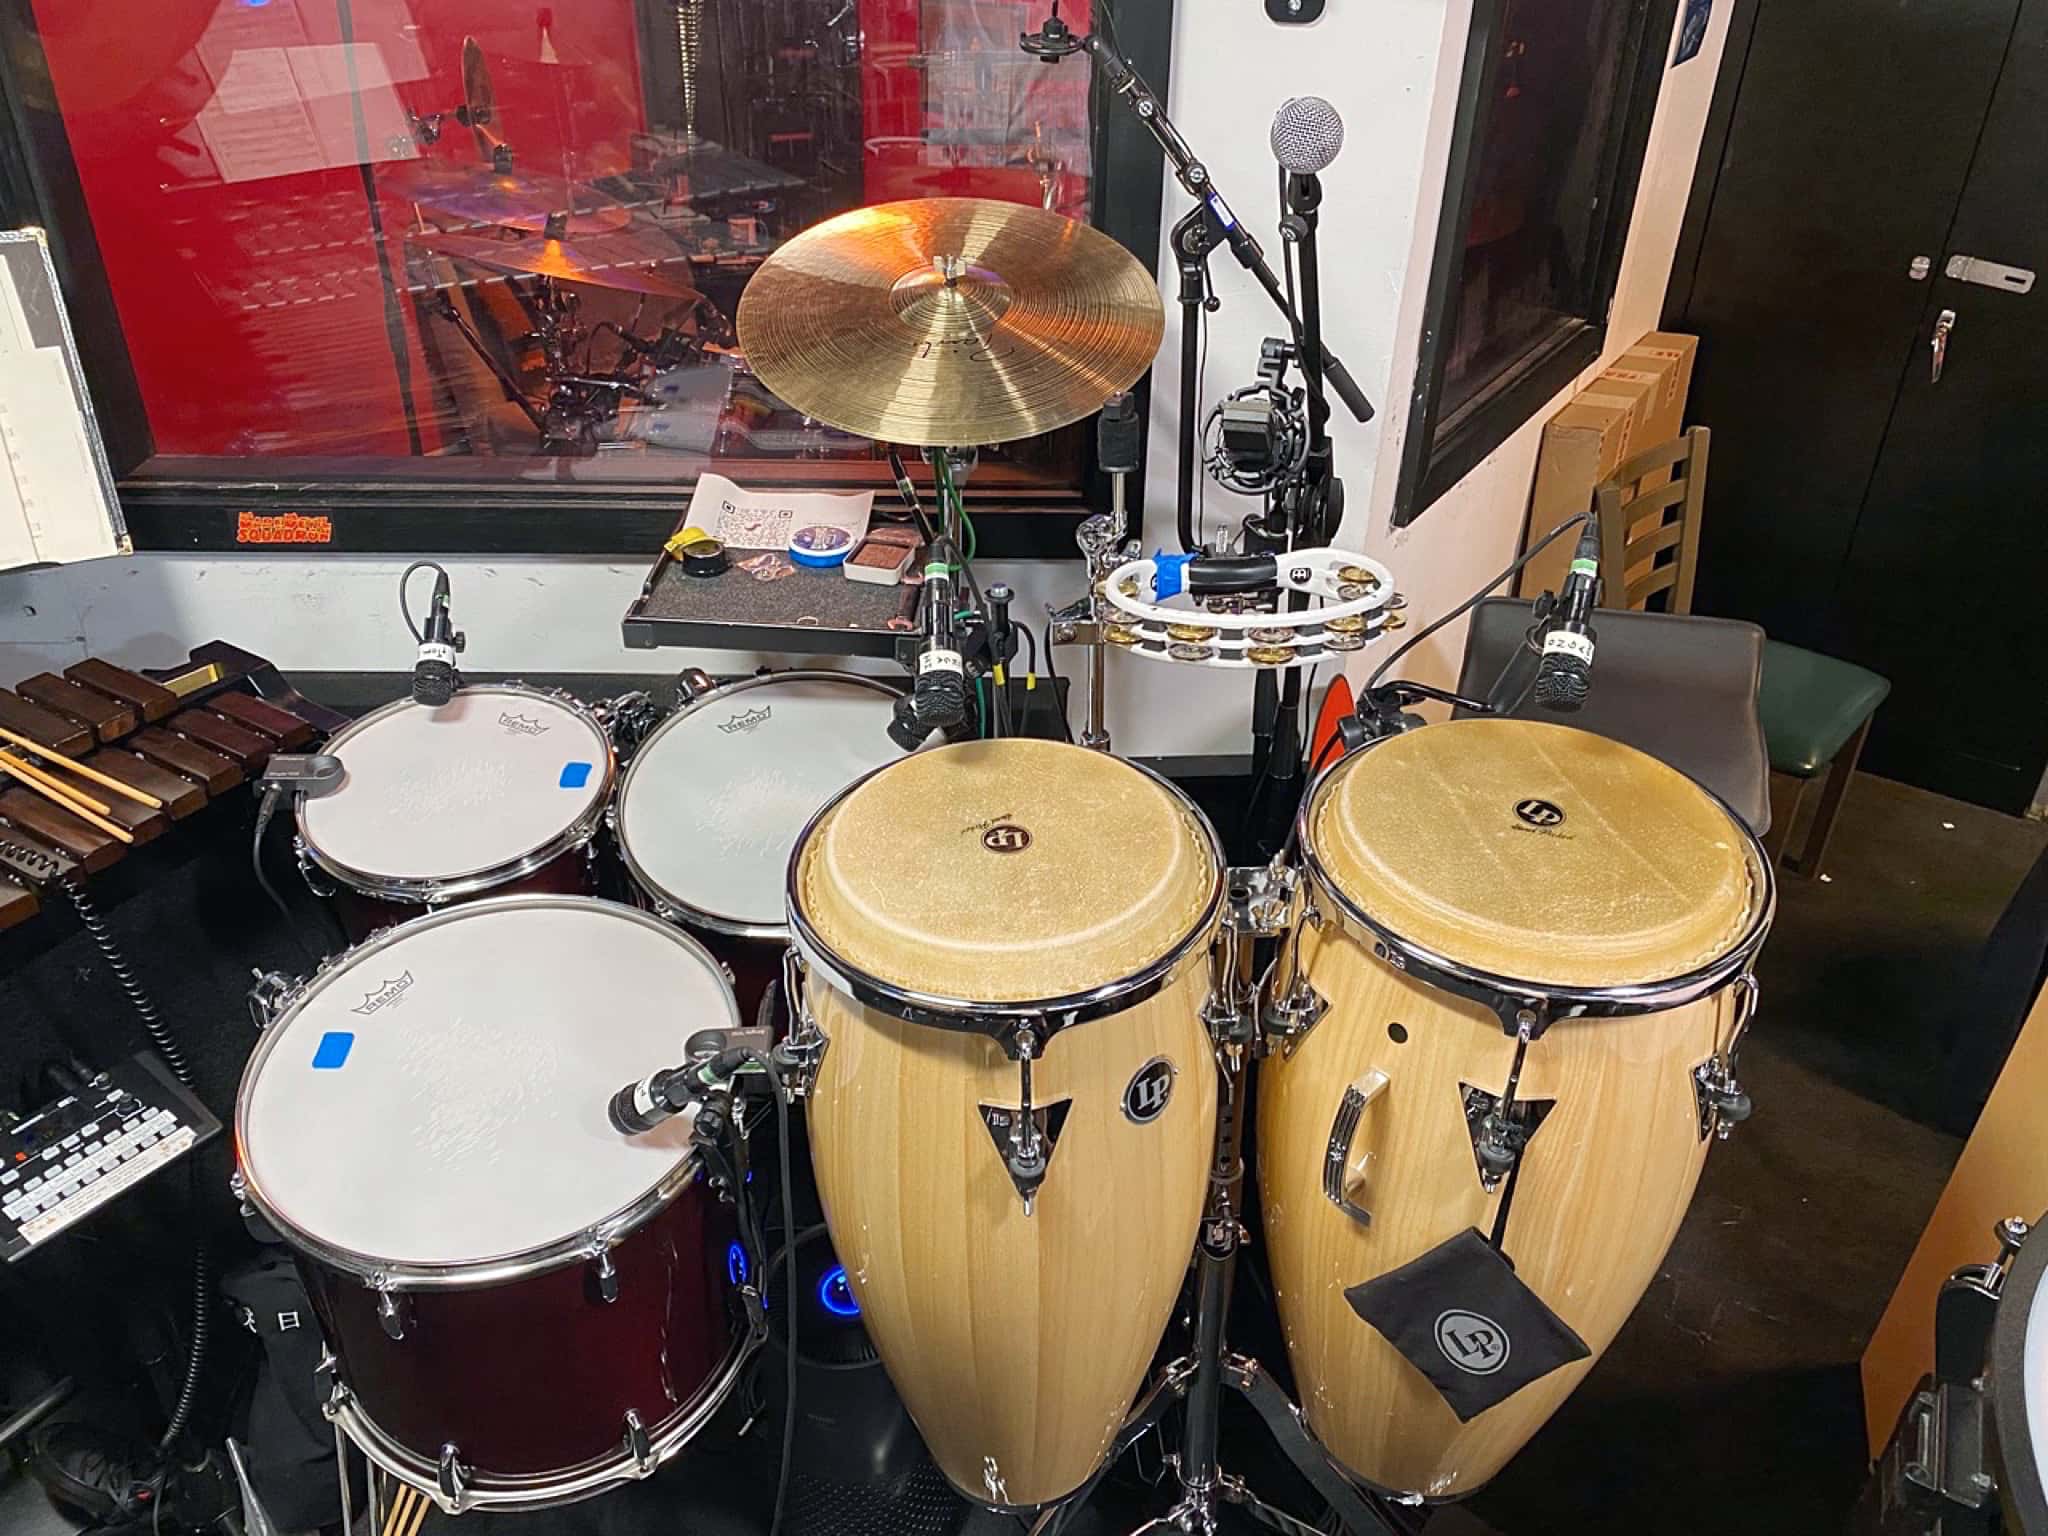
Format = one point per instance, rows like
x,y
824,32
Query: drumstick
x,y
61,797
22,769
105,780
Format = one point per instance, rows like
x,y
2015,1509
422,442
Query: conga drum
x,y
500,790
524,1306
1532,947
715,797
1006,948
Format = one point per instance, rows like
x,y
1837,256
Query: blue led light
x,y
736,1264
835,1295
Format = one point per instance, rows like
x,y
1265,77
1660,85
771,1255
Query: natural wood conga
x,y
948,906
1470,880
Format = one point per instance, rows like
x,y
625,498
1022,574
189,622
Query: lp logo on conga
x,y
1145,1097
1539,813
1473,1343
1004,838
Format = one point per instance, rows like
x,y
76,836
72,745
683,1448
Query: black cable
x,y
1471,602
195,1349
403,611
789,1282
394,316
1052,670
264,813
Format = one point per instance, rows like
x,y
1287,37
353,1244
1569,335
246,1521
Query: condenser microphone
x,y
661,1096
1565,675
433,671
1306,135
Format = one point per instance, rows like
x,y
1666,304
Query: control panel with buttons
x,y
71,1157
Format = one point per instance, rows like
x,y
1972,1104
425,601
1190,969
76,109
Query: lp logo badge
x,y
1149,1089
1538,813
1474,1343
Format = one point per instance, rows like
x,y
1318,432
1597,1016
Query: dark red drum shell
x,y
572,873
535,1376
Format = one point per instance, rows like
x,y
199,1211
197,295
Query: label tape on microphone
x,y
434,650
1562,642
940,661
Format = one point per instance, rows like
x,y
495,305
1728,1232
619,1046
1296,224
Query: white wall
x,y
1390,67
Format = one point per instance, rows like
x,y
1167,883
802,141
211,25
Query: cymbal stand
x,y
1118,433
1260,903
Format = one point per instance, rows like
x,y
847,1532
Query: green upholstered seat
x,y
1811,705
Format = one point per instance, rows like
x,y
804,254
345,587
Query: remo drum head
x,y
436,1099
446,802
716,797
1006,871
1536,852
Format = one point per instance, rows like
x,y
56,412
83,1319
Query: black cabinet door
x,y
1945,589
1851,134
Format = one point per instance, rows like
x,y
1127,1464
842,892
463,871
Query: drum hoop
x,y
1046,1016
1509,995
2017,1300
580,1246
545,1490
433,888
687,911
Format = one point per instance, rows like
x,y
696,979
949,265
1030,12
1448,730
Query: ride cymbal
x,y
950,322
618,262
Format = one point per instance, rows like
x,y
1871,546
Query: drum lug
x,y
270,995
394,1310
239,1188
637,1445
1722,1103
692,683
604,1278
452,1478
803,1049
1026,1133
1288,1018
306,868
627,719
1500,1128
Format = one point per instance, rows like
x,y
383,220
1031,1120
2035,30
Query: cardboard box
x,y
1637,402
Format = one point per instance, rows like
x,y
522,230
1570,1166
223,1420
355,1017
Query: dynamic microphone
x,y
1565,675
659,1096
433,672
938,698
1306,135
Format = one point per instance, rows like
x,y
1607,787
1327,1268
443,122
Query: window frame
x,y
1438,451
387,507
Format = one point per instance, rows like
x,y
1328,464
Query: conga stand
x,y
1259,907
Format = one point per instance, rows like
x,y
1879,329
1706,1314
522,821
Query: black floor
x,y
1730,1399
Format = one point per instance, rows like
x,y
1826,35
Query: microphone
x,y
433,672
1306,135
1565,674
659,1096
938,699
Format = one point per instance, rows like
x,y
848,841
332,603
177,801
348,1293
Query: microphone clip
x,y
1053,41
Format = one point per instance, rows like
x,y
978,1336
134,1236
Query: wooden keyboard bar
x,y
140,822
108,719
218,774
153,700
285,730
17,903
39,724
245,747
181,797
31,813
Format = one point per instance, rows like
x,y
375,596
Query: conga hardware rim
x,y
1006,1021
431,889
457,1488
2020,1297
1525,1007
381,1273
666,902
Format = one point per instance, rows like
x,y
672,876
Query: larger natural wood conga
x,y
1474,883
986,925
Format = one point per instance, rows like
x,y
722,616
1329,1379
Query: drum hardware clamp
x,y
1722,1103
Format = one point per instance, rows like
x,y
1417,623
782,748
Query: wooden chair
x,y
1816,710
1650,524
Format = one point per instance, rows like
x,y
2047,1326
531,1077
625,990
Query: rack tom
x,y
525,1307
1507,1035
500,790
716,796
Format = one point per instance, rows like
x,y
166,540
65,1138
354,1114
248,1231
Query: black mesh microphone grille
x,y
1562,683
433,683
941,698
1307,133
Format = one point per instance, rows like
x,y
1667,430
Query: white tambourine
x,y
1359,604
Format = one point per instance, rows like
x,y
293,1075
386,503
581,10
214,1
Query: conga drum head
x,y
1001,872
445,802
716,797
437,1099
1536,852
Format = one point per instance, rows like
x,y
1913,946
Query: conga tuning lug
x,y
637,1445
1290,1016
1722,1103
1500,1131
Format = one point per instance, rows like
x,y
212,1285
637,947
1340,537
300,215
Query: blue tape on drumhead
x,y
333,1050
575,775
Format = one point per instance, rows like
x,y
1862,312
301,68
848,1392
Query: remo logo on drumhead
x,y
1149,1089
1473,1343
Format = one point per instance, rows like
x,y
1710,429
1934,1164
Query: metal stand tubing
x,y
1215,1272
